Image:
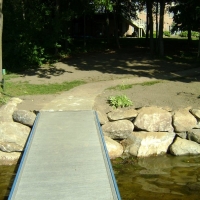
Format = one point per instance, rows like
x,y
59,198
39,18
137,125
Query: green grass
x,y
25,88
129,86
121,87
16,89
148,83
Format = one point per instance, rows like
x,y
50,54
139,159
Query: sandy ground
x,y
176,93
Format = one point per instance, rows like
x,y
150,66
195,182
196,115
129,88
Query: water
x,y
161,178
7,174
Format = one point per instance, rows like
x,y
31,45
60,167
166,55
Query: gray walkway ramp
x,y
65,158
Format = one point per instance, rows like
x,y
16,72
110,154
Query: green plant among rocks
x,y
119,101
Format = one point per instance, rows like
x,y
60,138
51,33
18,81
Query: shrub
x,y
183,34
120,101
166,33
193,33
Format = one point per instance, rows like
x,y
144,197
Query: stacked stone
x,y
139,132
15,126
152,131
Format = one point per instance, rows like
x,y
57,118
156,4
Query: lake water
x,y
161,178
7,175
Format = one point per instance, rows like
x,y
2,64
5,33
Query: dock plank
x,y
65,158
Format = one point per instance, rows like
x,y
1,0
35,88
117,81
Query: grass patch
x,y
129,86
24,88
10,76
121,87
148,83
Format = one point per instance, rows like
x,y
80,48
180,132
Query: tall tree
x,y
149,6
186,16
161,23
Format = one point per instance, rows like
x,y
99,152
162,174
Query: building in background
x,y
137,28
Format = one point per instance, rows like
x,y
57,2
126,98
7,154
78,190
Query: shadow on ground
x,y
121,62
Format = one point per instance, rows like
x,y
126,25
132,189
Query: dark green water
x,y
7,175
161,178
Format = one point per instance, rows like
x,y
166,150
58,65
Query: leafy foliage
x,y
120,101
166,33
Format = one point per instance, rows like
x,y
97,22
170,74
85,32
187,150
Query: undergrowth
x,y
119,101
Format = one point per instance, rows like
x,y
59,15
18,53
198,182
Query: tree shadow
x,y
45,72
134,61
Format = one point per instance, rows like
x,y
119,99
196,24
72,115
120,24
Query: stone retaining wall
x,y
139,132
152,131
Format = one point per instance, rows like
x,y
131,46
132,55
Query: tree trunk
x,y
199,45
151,28
189,35
107,27
84,30
161,23
57,24
157,27
1,31
116,25
147,20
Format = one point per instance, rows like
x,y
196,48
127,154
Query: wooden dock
x,y
65,158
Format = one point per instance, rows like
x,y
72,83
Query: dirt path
x,y
104,68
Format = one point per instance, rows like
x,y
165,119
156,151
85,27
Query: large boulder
x,y
194,135
9,158
114,148
184,147
7,110
118,129
183,120
196,113
154,119
24,117
102,117
143,144
122,114
13,136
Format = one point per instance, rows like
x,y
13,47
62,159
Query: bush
x,y
166,33
183,34
193,33
120,101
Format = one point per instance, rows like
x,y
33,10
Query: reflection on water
x,y
7,174
163,177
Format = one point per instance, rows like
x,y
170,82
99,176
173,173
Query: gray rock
x,y
194,135
143,144
154,119
9,158
198,125
122,114
196,113
102,117
118,129
24,117
7,110
13,136
182,135
183,120
114,148
184,147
